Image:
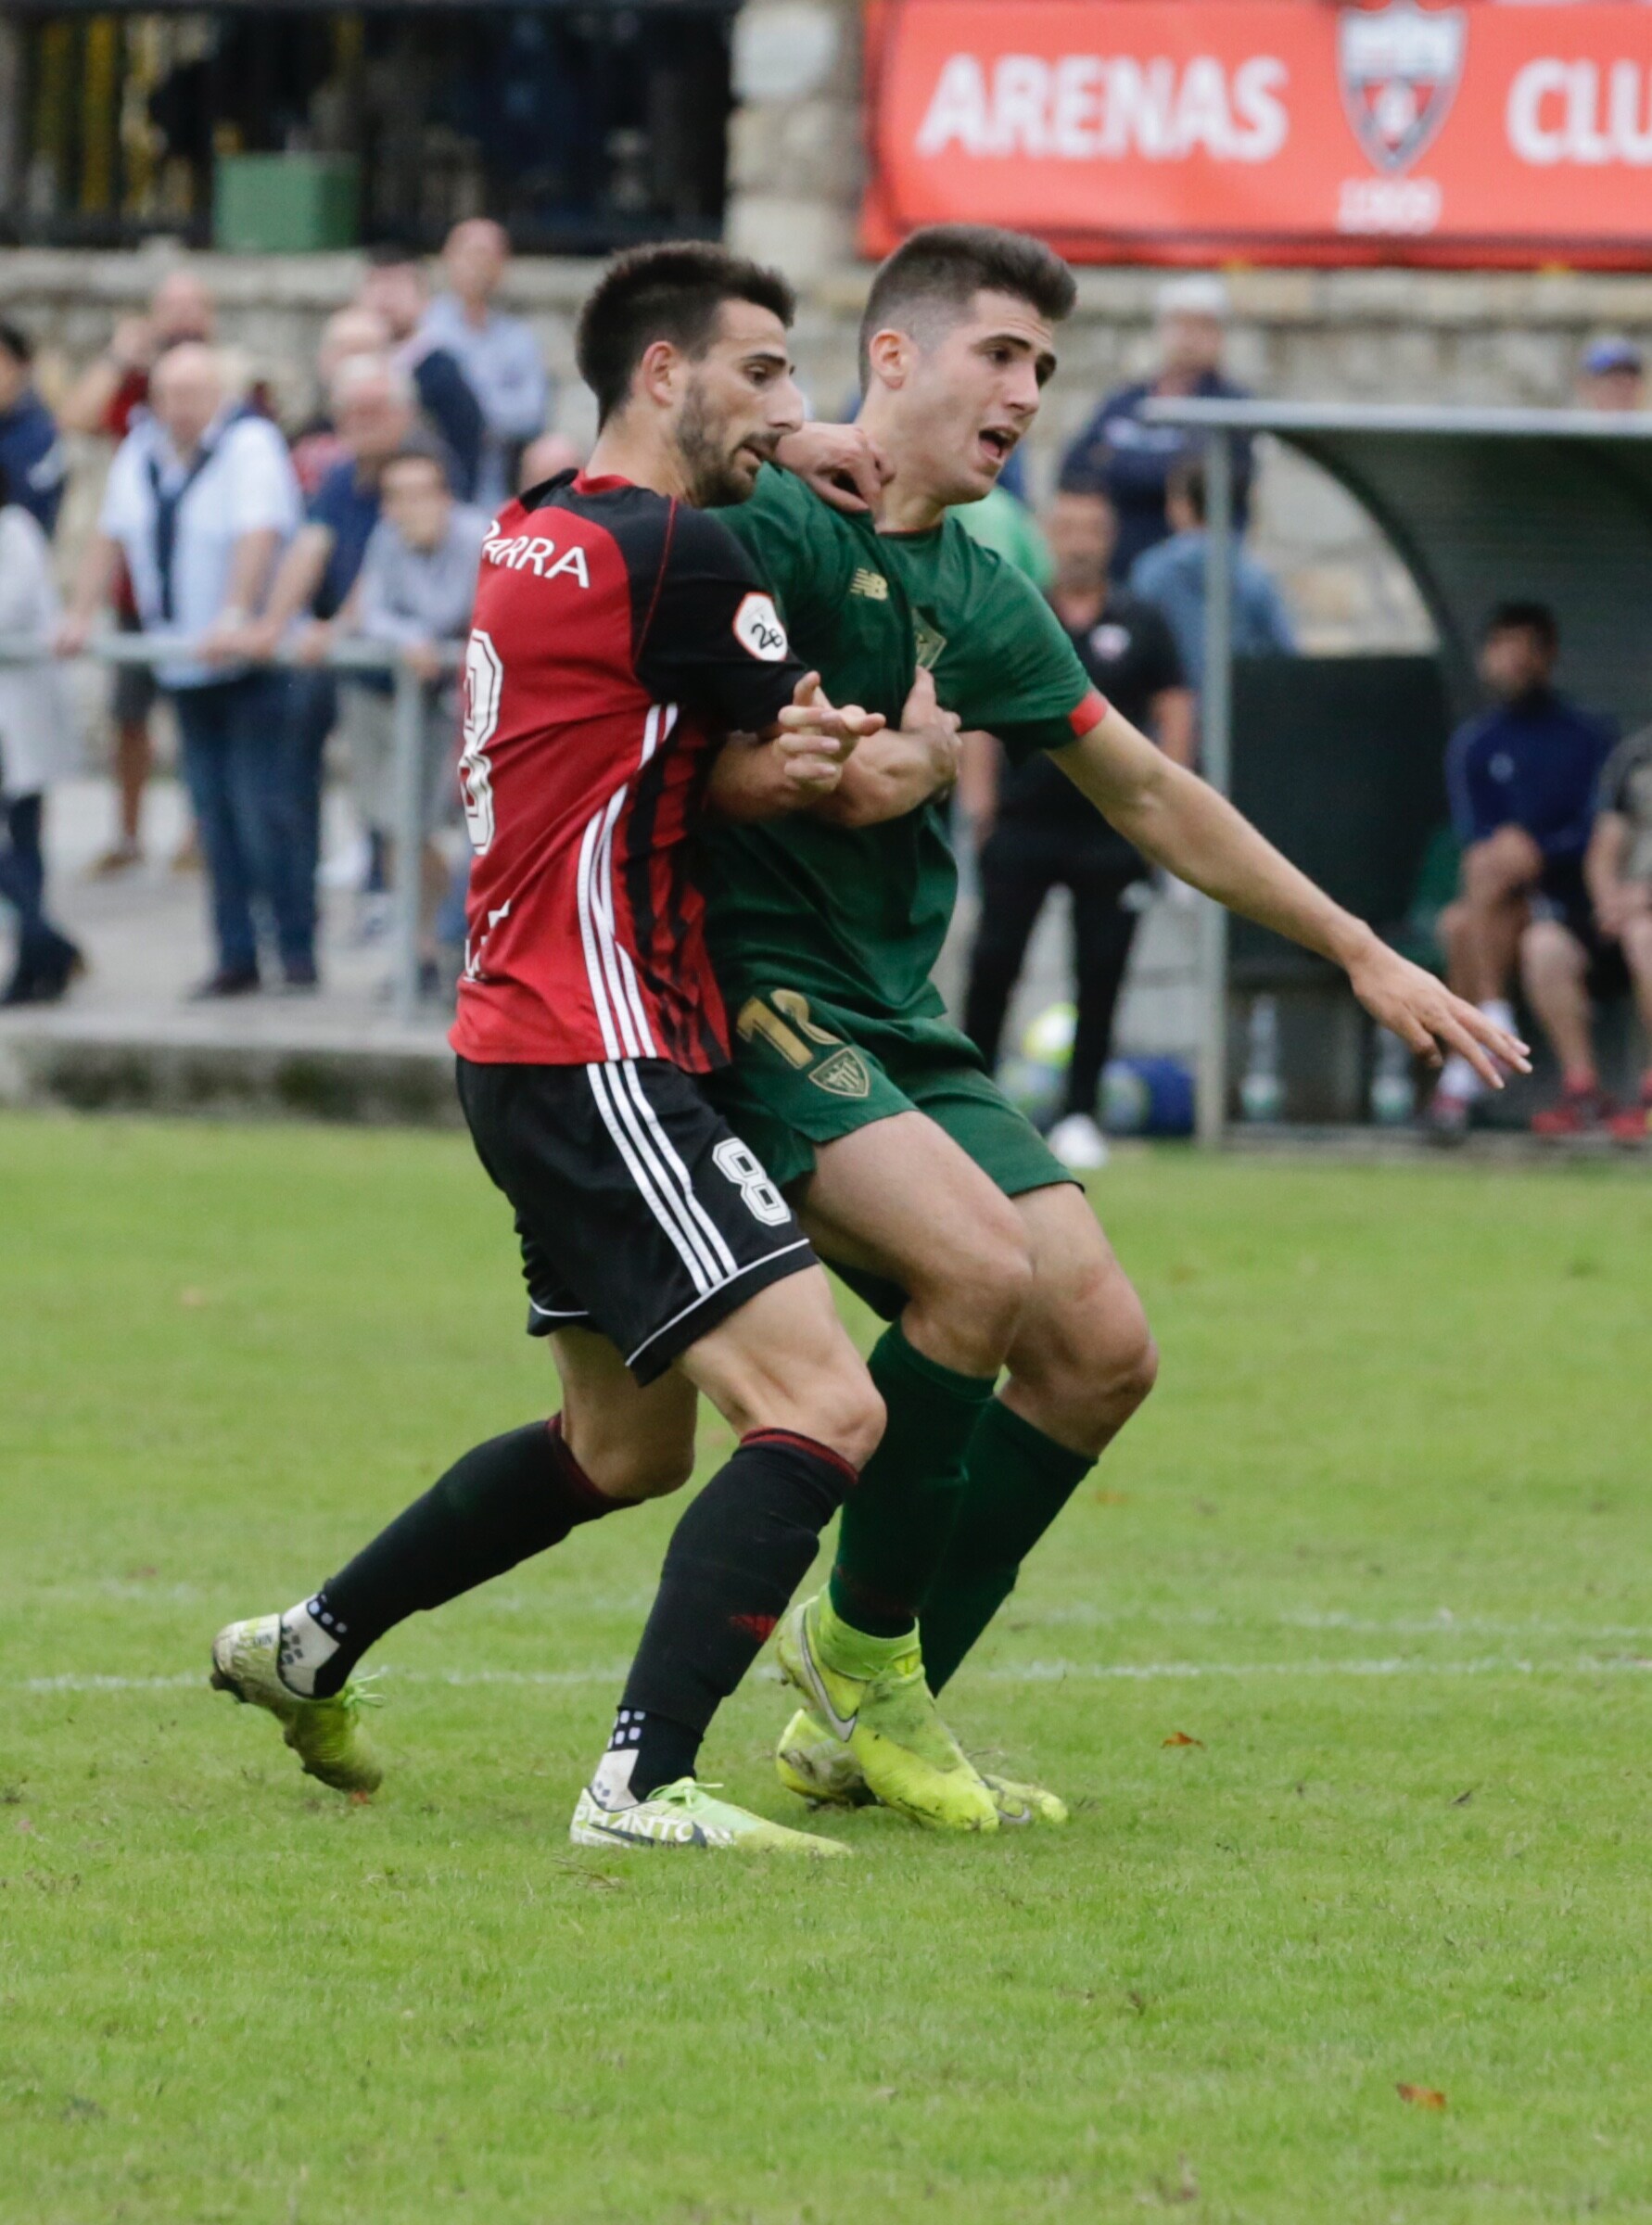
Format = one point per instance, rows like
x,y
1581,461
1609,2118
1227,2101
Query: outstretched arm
x,y
1184,825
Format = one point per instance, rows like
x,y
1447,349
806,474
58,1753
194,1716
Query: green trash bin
x,y
285,204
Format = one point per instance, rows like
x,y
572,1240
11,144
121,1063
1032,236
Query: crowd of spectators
x,y
366,520
259,549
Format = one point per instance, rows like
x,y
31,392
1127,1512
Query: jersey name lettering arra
x,y
589,727
523,551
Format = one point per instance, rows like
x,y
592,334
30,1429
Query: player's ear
x,y
892,355
659,374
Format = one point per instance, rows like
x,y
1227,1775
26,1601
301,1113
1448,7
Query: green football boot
x,y
809,1761
684,1814
325,1733
870,1696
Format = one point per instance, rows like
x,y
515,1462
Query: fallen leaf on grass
x,y
1180,1739
600,1880
1420,2097
1463,1799
1111,1499
24,1825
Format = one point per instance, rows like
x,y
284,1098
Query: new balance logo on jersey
x,y
871,584
534,551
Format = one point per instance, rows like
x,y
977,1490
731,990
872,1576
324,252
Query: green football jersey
x,y
857,916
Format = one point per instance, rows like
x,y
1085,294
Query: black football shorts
x,y
641,1213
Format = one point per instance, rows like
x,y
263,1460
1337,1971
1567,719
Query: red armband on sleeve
x,y
1086,716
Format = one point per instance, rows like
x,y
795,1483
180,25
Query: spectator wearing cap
x,y
1123,456
415,595
36,748
1171,575
397,289
199,503
1611,377
104,399
1523,777
31,453
498,353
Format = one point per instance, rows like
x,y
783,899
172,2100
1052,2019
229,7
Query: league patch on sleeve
x,y
759,630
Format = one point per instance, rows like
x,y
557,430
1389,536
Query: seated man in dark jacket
x,y
1523,778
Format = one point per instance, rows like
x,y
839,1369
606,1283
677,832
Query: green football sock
x,y
896,1521
1017,1481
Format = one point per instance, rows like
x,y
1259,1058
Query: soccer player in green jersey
x,y
913,1176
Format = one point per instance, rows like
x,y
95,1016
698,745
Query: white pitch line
x,y
1020,1673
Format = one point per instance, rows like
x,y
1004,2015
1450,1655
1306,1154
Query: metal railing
x,y
343,655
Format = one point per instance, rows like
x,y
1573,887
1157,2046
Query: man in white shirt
x,y
200,501
498,353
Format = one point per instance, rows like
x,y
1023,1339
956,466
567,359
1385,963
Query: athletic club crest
x,y
1399,67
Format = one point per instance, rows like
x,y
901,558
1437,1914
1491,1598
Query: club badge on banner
x,y
1167,130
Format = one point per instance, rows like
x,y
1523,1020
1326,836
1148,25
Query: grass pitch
x,y
1379,1549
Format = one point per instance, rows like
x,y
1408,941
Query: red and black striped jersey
x,y
618,636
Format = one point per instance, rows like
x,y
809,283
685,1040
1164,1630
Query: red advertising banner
x,y
1280,130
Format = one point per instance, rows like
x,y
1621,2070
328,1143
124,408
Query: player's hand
x,y
935,730
844,465
423,659
834,732
816,740
74,630
1422,1012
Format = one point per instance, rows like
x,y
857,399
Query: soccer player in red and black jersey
x,y
620,637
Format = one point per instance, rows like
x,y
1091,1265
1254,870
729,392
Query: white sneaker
x,y
1077,1143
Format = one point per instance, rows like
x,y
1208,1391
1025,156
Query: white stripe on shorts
x,y
651,1181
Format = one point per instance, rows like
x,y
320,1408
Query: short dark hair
x,y
1518,615
16,342
1186,480
672,291
945,266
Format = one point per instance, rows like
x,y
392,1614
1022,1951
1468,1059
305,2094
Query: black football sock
x,y
734,1560
502,1502
895,1526
1016,1482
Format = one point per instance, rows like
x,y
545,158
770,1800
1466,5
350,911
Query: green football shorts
x,y
806,1072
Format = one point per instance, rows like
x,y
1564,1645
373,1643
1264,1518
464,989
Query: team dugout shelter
x,y
1339,759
